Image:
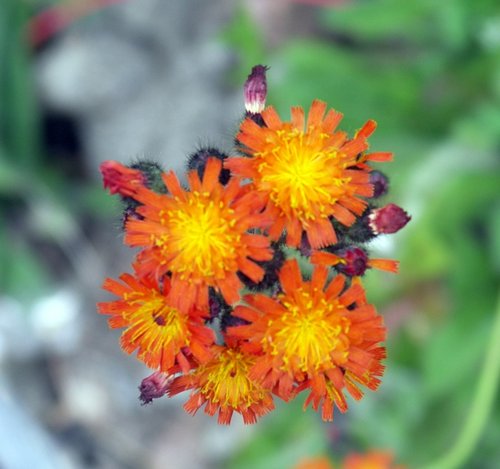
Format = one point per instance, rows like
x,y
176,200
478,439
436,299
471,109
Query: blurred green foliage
x,y
428,73
38,203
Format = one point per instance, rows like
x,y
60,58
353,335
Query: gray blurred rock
x,y
146,78
25,444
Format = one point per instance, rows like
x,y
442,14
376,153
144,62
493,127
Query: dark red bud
x,y
255,90
380,183
355,261
154,386
388,219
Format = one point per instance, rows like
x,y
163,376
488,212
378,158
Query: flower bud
x,y
152,171
198,161
380,184
354,261
358,232
120,179
154,386
388,219
255,90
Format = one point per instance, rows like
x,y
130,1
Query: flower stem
x,y
481,406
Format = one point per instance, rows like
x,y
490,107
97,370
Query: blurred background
x,y
85,81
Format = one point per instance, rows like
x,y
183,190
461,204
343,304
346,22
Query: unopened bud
x,y
198,161
154,386
388,219
152,171
120,179
255,90
380,184
354,261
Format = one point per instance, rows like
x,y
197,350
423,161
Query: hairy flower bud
x,y
255,90
154,386
388,219
198,161
152,172
354,261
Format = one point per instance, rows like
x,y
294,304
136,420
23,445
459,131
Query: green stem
x,y
481,406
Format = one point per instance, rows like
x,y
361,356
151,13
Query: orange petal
x,y
316,113
367,129
388,265
298,118
271,118
324,258
211,174
331,121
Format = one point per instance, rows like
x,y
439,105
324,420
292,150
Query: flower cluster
x,y
247,283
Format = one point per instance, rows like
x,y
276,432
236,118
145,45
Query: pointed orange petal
x,y
336,286
388,265
298,118
343,215
321,234
271,118
316,113
325,258
380,157
351,294
290,276
319,276
173,185
230,287
365,190
331,121
367,129
211,174
294,232
194,181
251,269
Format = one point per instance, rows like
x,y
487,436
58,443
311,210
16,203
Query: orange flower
x,y
307,176
200,236
371,460
163,335
223,384
322,337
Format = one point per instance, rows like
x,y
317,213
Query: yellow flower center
x,y
226,382
201,236
156,323
312,335
301,173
